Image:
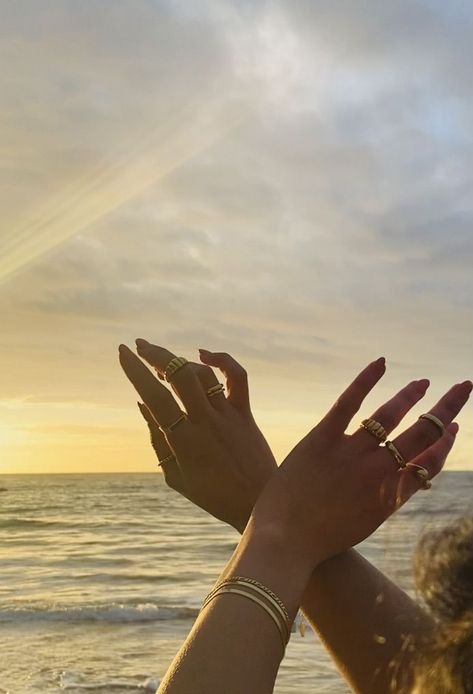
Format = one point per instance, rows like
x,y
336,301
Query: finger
x,y
392,412
208,379
184,381
432,459
156,397
170,468
238,393
424,433
342,412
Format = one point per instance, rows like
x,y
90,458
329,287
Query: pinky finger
x,y
432,459
170,468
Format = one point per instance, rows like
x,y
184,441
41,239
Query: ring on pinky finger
x,y
421,473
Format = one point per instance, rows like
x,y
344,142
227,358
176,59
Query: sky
x,y
285,180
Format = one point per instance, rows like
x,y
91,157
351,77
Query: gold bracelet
x,y
236,590
250,585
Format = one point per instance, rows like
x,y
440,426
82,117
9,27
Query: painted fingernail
x,y
422,385
381,360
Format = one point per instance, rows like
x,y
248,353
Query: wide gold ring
x,y
214,390
174,365
167,459
435,420
395,453
421,473
375,428
170,427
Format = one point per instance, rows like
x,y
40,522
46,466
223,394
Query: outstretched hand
x,y
221,459
333,490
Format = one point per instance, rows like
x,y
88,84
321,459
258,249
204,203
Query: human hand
x,y
333,490
222,460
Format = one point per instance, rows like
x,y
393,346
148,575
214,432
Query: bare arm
x,y
234,646
343,595
366,622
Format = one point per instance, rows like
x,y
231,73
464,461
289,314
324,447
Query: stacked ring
x,y
375,428
218,388
170,427
421,473
396,454
174,365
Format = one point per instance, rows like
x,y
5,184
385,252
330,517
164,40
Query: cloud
x,y
287,181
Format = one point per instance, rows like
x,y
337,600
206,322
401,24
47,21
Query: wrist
x,y
265,555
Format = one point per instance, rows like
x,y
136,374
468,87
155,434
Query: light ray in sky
x,y
151,157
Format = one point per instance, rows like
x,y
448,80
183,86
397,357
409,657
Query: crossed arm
x,y
371,606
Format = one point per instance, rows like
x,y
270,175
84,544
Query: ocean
x,y
103,575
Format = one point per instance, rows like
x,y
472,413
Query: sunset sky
x,y
289,181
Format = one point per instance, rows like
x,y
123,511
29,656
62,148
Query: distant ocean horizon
x,y
104,573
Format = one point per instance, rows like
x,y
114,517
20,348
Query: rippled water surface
x,y
102,575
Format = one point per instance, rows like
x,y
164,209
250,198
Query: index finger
x,y
156,397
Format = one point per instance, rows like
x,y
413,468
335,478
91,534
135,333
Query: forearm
x,y
232,630
363,619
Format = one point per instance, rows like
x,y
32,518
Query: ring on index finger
x,y
375,428
215,390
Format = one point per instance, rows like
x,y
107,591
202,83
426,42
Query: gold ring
x,y
397,456
421,473
174,365
170,427
375,428
215,389
435,420
166,460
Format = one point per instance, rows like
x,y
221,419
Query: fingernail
x,y
422,385
140,342
453,428
381,360
122,348
467,383
205,351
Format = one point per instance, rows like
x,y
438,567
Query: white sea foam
x,y
114,613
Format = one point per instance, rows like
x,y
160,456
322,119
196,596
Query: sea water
x,y
103,575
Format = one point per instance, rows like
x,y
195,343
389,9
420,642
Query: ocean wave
x,y
30,523
72,681
114,613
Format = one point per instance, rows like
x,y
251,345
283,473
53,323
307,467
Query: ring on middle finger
x,y
435,421
375,428
396,454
